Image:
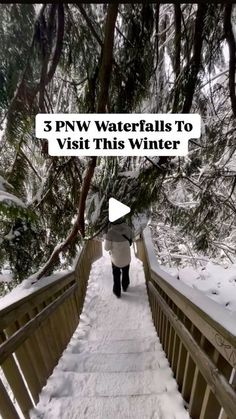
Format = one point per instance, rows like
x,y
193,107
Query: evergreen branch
x,y
89,23
55,178
20,90
30,164
72,82
24,93
232,189
49,102
99,231
153,163
212,79
186,35
123,36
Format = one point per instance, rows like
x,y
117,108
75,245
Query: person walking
x,y
118,241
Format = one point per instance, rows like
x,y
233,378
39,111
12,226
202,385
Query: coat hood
x,y
116,231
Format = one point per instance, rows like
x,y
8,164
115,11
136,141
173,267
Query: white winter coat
x,y
119,246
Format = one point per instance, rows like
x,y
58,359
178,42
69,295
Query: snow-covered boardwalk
x,y
114,366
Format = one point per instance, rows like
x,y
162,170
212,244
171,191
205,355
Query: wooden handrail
x,y
14,341
36,330
198,336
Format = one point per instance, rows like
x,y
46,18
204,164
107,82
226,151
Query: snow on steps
x,y
160,406
121,334
114,366
97,362
124,346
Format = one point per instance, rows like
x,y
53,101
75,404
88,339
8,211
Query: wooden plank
x,y
176,354
41,339
91,252
64,329
17,385
24,358
7,409
210,406
181,366
72,319
223,415
75,311
173,351
170,345
51,340
217,382
165,332
16,382
21,335
197,394
188,378
156,313
24,305
159,319
176,291
167,336
163,328
49,345
224,367
55,338
39,349
35,355
153,309
57,325
67,312
224,342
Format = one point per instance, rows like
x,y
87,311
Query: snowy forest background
x,y
120,58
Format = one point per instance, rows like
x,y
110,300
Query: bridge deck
x,y
114,365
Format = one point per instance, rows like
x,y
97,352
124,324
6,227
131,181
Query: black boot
x,y
116,278
125,278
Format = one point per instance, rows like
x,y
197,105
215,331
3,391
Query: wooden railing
x,y
35,330
198,336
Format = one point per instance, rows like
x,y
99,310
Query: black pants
x,y
116,277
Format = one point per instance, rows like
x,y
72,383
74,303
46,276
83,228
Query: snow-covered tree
x,y
106,58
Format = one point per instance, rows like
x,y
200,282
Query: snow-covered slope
x,y
114,366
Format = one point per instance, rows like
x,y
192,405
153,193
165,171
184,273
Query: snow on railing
x,y
35,330
198,336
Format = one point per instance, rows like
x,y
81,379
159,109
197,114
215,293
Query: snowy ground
x,y
215,277
114,366
215,281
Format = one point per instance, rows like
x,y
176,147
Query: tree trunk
x,y
229,35
177,56
107,57
105,77
195,62
79,223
